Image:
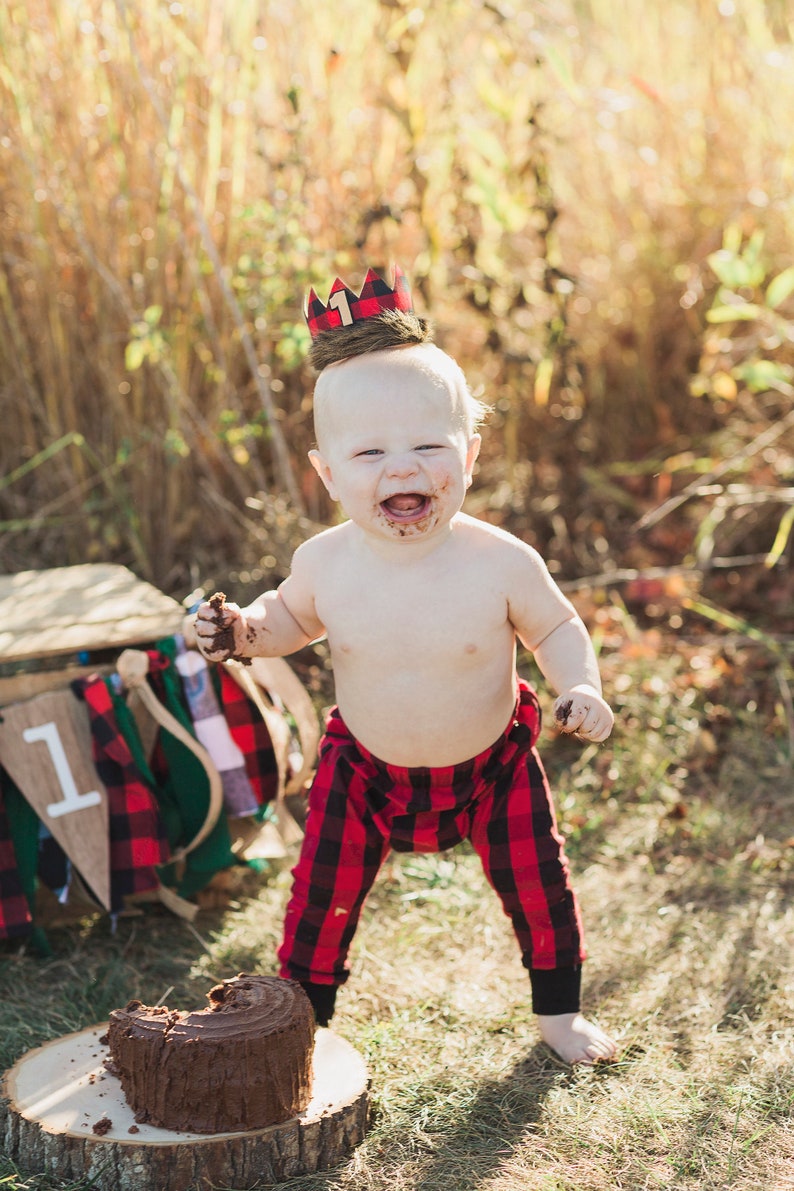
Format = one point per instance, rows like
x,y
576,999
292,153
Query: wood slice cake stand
x,y
66,1116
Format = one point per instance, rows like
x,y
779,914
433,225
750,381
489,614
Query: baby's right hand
x,y
220,629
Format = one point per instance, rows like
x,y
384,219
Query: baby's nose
x,y
401,465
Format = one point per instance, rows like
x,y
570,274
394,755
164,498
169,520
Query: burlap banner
x,y
45,744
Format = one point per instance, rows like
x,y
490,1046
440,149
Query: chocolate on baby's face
x,y
395,446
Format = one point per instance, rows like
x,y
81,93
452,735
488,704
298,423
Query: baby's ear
x,y
324,472
472,451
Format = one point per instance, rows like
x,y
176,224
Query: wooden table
x,y
49,618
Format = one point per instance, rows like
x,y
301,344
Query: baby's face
x,y
394,444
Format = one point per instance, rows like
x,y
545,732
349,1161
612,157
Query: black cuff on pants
x,y
322,998
556,991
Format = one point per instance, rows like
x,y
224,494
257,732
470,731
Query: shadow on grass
x,y
455,1148
486,1133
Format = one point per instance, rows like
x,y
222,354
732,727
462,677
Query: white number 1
x,y
72,801
338,301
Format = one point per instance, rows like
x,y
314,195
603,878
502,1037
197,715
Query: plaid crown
x,y
344,307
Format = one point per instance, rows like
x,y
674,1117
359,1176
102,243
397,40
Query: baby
x,y
433,737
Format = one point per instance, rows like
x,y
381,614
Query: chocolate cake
x,y
245,1062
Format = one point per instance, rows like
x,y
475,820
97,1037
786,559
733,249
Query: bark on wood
x,y
57,1094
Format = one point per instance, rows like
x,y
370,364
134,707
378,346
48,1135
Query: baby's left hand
x,y
581,710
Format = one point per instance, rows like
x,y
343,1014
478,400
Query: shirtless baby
x,y
433,737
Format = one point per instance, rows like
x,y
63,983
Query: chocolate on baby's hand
x,y
223,641
562,711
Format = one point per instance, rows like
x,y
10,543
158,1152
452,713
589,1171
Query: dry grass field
x,y
593,203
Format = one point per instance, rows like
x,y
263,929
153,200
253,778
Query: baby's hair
x,y
391,328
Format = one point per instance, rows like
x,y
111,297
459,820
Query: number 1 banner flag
x,y
46,747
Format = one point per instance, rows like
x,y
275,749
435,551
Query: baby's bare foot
x,y
575,1039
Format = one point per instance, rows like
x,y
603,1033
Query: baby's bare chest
x,y
402,617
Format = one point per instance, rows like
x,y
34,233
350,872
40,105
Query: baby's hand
x,y
219,627
583,711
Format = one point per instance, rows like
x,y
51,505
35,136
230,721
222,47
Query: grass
x,y
679,837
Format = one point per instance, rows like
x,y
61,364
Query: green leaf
x,y
72,439
561,66
734,624
732,238
152,315
755,273
495,98
780,287
742,312
134,355
730,268
782,536
760,375
754,247
175,445
489,147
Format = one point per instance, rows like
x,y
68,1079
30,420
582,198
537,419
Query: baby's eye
x,y
370,451
429,446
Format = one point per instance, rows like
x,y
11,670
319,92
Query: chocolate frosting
x,y
244,1062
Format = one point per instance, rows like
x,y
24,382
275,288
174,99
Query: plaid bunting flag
x,y
15,916
181,777
251,736
138,841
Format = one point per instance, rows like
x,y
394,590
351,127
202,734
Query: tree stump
x,y
65,1115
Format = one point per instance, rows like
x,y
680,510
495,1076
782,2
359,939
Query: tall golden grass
x,y
552,177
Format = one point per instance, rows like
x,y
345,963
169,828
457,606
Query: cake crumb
x,y
102,1126
563,711
224,637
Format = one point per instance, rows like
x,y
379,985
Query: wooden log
x,y
64,1115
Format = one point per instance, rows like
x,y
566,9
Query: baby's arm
x,y
276,623
548,625
567,660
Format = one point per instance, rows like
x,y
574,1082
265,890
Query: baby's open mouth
x,y
406,506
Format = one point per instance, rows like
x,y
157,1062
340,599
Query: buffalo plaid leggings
x,y
360,808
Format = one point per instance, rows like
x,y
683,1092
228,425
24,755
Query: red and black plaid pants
x,y
360,808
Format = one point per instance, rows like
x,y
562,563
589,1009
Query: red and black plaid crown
x,y
344,307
